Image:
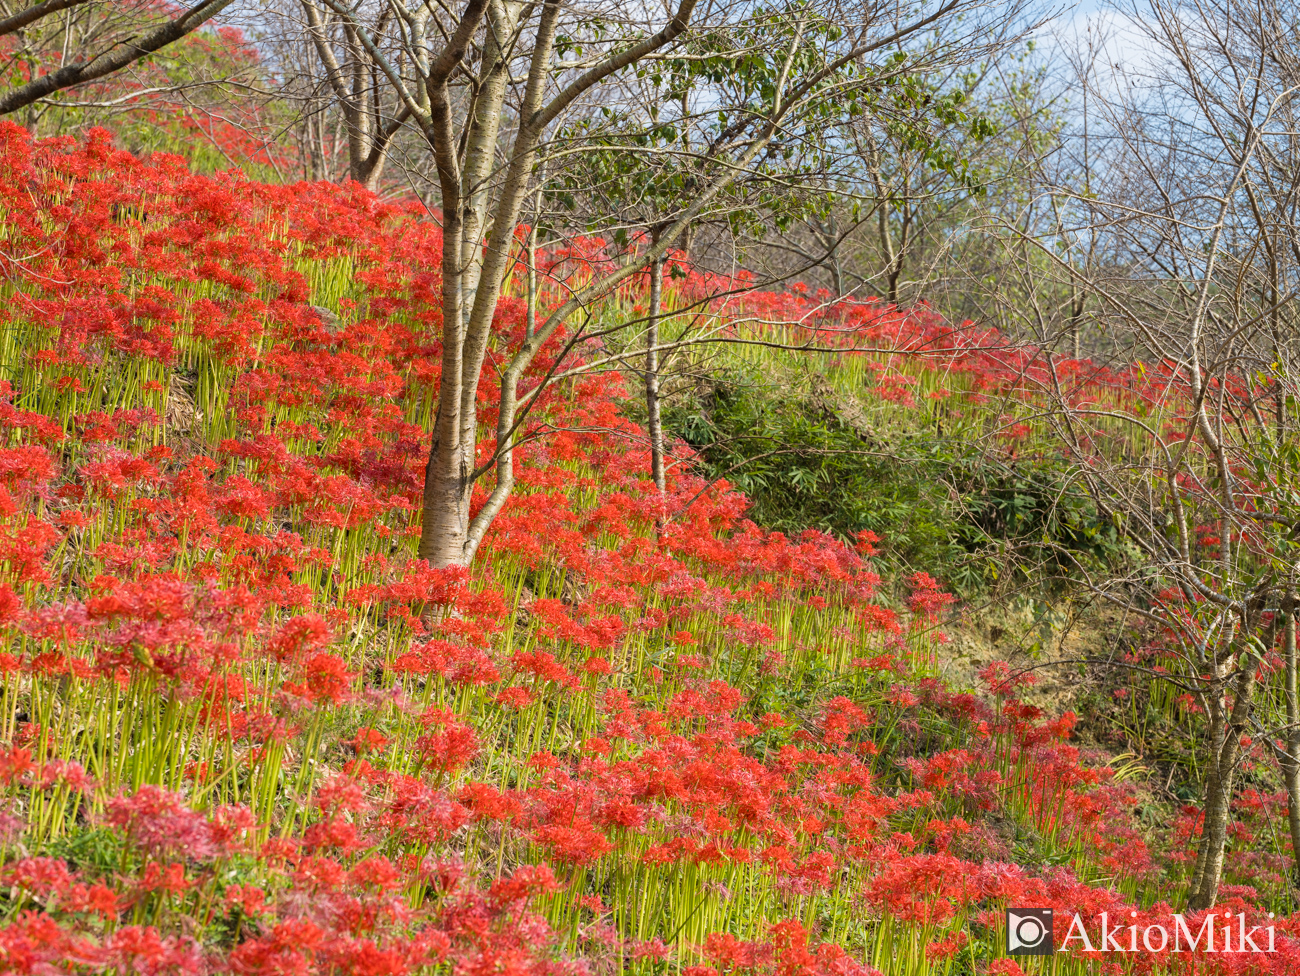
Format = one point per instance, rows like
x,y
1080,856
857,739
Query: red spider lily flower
x,y
926,599
158,822
369,739
448,744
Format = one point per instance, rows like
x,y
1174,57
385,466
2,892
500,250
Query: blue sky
x,y
1125,47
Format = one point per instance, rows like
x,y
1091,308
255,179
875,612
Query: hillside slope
x,y
244,730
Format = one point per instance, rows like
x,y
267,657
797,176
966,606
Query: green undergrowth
x,y
813,446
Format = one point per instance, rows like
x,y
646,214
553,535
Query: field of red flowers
x,y
244,730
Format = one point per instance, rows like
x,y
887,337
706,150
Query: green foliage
x,y
647,158
939,500
804,469
89,849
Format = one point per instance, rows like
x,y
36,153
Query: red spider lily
x,y
350,762
159,821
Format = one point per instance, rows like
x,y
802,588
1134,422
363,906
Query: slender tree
x,y
1194,203
359,92
491,90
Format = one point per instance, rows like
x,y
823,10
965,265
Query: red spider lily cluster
x,y
244,730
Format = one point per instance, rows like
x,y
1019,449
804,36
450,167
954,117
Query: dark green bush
x,y
940,502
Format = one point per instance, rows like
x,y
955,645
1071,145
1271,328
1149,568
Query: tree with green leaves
x,y
925,162
632,165
503,86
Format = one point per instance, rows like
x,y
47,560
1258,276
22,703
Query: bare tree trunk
x,y
447,491
654,424
481,138
316,147
1291,765
1218,791
687,242
887,245
369,137
827,236
448,477
1077,300
894,254
1216,739
904,244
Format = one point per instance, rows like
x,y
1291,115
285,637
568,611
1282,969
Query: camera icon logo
x,y
1029,932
